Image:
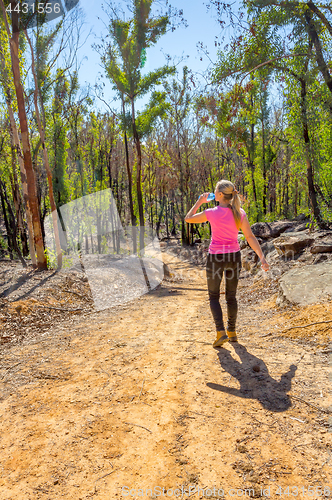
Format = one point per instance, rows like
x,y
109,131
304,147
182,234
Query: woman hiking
x,y
224,253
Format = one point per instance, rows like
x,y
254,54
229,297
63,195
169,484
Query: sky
x,y
180,44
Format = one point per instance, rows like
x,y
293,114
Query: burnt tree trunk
x,y
31,182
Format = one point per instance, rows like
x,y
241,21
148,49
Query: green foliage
x,y
204,231
126,54
156,108
45,39
51,258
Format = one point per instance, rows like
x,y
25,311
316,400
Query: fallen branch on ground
x,y
130,423
310,404
9,368
78,294
197,341
61,308
208,416
305,326
291,328
141,389
105,475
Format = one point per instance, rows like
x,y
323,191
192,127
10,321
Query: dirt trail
x,y
137,397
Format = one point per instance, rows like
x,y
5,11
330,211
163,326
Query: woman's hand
x,y
265,264
203,198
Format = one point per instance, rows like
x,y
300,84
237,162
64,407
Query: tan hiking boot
x,y
232,336
221,339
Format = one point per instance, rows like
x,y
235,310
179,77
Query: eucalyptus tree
x,y
38,100
7,86
310,18
32,199
123,59
298,59
179,99
237,114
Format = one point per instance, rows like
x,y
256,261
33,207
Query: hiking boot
x,y
221,339
232,336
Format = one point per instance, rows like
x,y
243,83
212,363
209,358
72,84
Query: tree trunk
x,y
130,186
18,205
264,163
138,178
286,187
13,226
295,197
160,216
173,231
251,164
166,218
183,227
139,195
45,156
32,194
307,151
322,66
15,141
8,231
251,153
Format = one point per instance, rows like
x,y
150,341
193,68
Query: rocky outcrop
x,y
321,247
292,244
306,285
261,230
268,230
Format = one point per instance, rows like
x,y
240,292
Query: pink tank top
x,y
224,230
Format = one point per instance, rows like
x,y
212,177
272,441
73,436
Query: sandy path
x,y
137,397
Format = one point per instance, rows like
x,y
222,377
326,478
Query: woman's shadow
x,y
255,380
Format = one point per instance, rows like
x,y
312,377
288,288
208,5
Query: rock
x,y
247,265
306,257
241,448
167,271
299,227
268,247
249,259
306,285
321,247
185,253
261,230
270,230
243,244
302,217
322,257
281,226
289,246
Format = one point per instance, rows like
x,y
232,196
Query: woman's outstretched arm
x,y
252,241
192,216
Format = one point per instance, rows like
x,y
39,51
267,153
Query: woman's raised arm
x,y
192,216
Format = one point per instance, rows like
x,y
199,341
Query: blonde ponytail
x,y
228,190
236,205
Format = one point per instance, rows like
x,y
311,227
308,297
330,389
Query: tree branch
x,y
321,16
